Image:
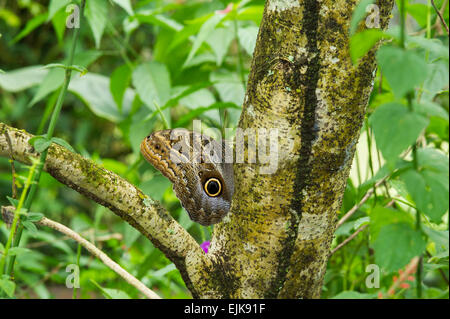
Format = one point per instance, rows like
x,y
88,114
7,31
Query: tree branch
x,y
440,16
357,206
101,255
348,239
114,192
360,229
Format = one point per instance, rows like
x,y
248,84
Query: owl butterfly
x,y
195,164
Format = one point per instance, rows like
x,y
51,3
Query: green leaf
x,y
183,35
55,6
59,24
52,81
53,241
219,40
436,48
203,34
63,143
439,237
115,293
152,83
126,5
346,294
428,187
8,286
229,86
396,128
84,58
30,26
432,159
396,245
429,108
111,293
160,20
23,212
362,42
40,143
16,251
200,99
119,82
55,78
419,12
31,227
13,201
439,127
155,187
93,89
252,13
161,273
404,70
130,234
381,216
200,59
360,222
34,217
180,92
358,14
429,192
9,17
200,110
247,38
97,15
436,80
22,79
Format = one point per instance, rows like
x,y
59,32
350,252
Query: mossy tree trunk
x,y
275,241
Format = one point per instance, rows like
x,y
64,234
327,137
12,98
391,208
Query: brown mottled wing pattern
x,y
189,160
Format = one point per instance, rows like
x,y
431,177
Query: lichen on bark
x,y
276,239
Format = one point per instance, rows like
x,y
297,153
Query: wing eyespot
x,y
213,187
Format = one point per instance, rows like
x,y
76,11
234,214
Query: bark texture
x,y
275,241
114,192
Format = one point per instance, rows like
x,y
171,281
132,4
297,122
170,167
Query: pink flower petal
x,y
226,10
205,246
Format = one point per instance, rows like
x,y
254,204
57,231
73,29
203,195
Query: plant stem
x,y
16,219
419,278
47,112
49,135
161,114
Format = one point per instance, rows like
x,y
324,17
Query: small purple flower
x,y
205,246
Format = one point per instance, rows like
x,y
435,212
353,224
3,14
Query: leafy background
x,y
148,64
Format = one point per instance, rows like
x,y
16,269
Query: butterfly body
x,y
196,166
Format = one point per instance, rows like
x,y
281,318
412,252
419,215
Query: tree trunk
x,y
275,241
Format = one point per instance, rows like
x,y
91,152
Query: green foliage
x,y
404,128
405,144
142,65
